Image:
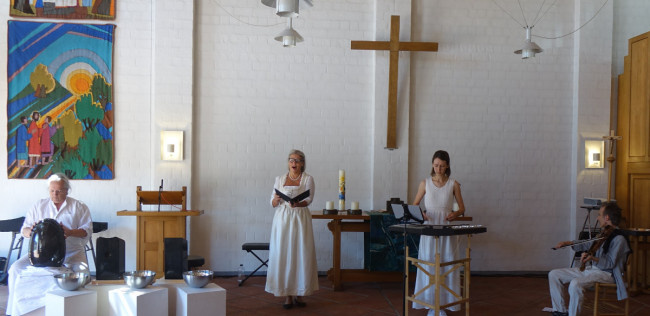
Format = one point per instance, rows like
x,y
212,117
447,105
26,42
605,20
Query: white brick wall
x,y
515,129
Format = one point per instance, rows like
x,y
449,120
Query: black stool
x,y
250,247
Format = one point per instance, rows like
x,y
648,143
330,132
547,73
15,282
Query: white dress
x,y
292,255
439,203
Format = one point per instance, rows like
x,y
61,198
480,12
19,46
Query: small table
x,y
342,222
640,245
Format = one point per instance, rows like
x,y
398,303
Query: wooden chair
x,y
605,296
161,198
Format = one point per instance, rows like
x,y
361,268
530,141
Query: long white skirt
x,y
292,255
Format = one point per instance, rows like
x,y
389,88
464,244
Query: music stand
x,y
407,214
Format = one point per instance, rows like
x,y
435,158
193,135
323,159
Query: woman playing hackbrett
x,y
439,192
292,271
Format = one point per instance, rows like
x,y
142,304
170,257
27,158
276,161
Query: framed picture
x,y
60,100
64,9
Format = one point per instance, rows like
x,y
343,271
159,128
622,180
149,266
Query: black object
x,y
175,257
296,199
250,247
13,226
47,244
110,258
194,261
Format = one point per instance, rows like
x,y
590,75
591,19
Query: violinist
x,y
607,257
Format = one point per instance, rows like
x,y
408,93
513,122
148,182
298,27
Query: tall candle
x,y
341,190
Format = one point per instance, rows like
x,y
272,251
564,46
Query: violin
x,y
604,234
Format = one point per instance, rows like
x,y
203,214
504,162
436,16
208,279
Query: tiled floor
x,y
511,296
503,295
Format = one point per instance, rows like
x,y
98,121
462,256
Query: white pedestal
x,y
71,303
208,300
103,307
138,302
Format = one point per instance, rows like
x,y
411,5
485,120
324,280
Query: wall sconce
x,y
594,154
171,145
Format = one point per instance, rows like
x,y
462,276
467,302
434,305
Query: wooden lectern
x,y
154,226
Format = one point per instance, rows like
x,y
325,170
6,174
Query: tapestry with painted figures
x,y
60,100
63,9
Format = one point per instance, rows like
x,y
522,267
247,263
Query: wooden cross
x,y
611,139
394,46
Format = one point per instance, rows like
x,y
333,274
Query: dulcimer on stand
x,y
438,230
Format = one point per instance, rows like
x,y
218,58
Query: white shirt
x,y
73,214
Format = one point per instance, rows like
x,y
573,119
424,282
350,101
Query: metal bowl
x,y
197,278
139,279
72,281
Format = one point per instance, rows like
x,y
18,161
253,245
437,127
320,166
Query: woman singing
x,y
292,268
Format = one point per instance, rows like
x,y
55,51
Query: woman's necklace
x,y
296,179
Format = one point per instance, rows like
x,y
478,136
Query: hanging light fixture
x,y
286,8
289,37
530,48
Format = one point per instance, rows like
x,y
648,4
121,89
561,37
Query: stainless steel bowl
x,y
197,278
72,281
139,279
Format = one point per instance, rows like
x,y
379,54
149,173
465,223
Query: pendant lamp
x,y
530,48
286,8
289,37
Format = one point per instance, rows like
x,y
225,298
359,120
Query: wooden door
x,y
633,150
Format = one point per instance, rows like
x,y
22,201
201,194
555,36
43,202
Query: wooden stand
x,y
152,229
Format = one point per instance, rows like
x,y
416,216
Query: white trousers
x,y
578,281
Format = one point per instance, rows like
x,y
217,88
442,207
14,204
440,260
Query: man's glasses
x,y
295,160
59,191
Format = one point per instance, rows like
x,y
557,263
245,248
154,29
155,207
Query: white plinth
x,y
71,303
208,300
138,302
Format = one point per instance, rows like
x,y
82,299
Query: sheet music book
x,y
296,199
414,212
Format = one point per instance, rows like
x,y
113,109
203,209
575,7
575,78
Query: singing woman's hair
x,y
612,210
59,177
302,157
444,156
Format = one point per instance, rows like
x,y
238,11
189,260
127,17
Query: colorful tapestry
x,y
64,9
60,100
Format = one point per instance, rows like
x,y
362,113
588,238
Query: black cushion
x,y
255,246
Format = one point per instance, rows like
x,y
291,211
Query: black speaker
x,y
110,258
175,258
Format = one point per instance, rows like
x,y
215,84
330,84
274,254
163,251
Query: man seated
x,y
27,286
608,263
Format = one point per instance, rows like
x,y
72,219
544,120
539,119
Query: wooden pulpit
x,y
154,226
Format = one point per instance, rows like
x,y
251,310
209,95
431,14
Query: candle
x,y
341,190
329,205
355,205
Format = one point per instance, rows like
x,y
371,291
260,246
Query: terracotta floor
x,y
510,296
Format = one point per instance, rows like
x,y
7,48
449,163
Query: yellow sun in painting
x,y
79,82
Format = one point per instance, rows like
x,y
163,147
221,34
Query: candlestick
x,y
341,190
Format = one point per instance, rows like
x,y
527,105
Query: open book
x,y
296,199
